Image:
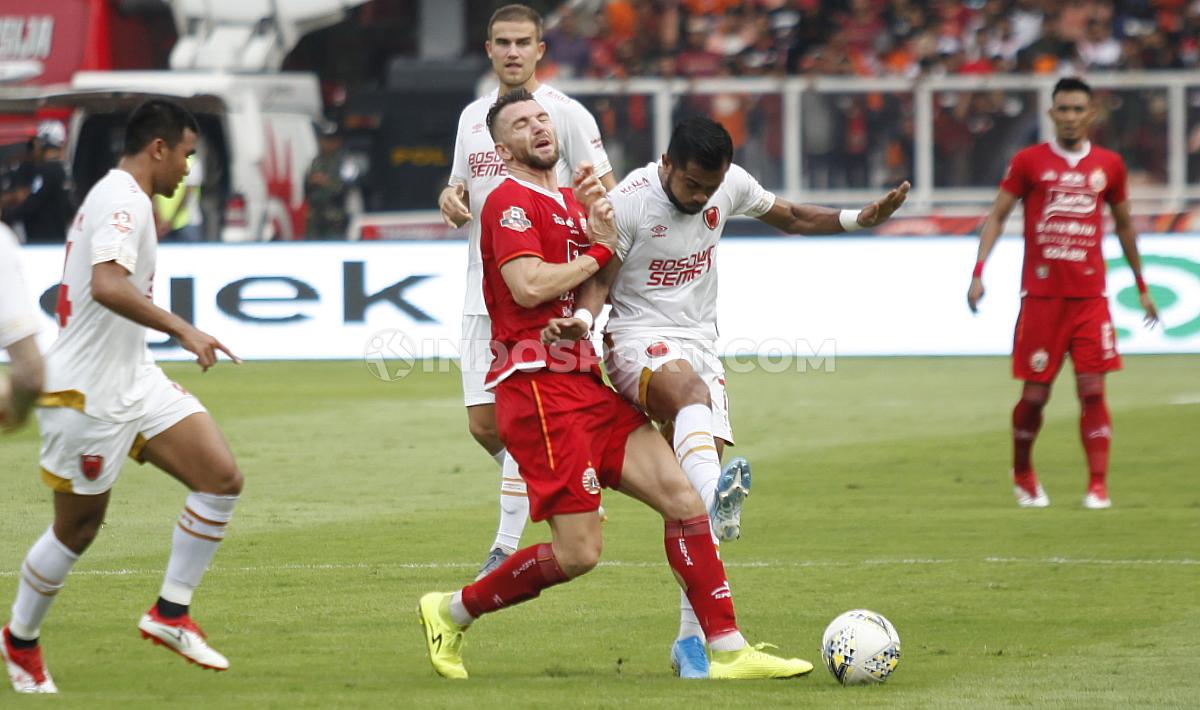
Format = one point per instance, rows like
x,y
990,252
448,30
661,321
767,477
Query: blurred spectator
x,y
325,190
567,47
1099,49
39,199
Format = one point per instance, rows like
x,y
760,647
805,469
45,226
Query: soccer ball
x,y
860,647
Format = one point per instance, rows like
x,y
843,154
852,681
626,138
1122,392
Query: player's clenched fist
x,y
588,187
602,224
452,203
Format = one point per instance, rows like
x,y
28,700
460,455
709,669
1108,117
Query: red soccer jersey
x,y
1064,217
520,219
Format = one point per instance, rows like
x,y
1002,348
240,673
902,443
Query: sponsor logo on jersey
x,y
675,272
1039,360
658,230
121,221
1072,178
1064,253
712,217
635,186
591,484
1069,202
478,128
1097,180
514,218
568,222
658,349
91,465
1050,176
486,163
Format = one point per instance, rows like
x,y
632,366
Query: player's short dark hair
x,y
1071,83
157,118
516,13
515,96
701,141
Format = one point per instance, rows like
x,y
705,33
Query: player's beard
x,y
674,200
538,162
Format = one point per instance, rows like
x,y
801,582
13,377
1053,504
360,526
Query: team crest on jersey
x,y
591,483
1042,271
1097,180
658,230
91,465
121,221
1039,360
658,349
514,218
712,217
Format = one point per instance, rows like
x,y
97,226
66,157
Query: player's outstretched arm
x,y
533,281
988,235
815,219
24,383
453,204
111,288
1127,235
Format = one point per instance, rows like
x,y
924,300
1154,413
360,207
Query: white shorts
x,y
84,455
631,359
475,359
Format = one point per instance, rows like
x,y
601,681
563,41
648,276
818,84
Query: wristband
x,y
1141,284
600,253
584,315
978,272
849,220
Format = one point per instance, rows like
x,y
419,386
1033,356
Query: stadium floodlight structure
x,y
247,35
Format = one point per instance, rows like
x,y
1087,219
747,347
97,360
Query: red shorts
x,y
1049,328
567,433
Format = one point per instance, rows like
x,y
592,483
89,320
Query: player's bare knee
x,y
485,433
225,480
78,534
578,557
696,392
682,503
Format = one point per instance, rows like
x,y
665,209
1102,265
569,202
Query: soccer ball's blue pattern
x,y
860,646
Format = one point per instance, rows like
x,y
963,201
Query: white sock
x,y
199,531
514,505
697,451
733,641
458,612
689,625
43,574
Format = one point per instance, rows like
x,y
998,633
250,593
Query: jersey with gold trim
x,y
98,352
667,284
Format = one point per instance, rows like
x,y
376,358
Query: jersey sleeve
x,y
749,197
581,140
459,170
115,233
625,211
1118,186
1016,178
17,319
508,226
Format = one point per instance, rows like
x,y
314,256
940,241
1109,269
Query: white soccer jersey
x,y
99,353
17,318
480,169
667,284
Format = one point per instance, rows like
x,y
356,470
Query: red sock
x,y
1095,428
693,558
520,578
1026,423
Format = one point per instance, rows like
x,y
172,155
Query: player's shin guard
x,y
696,450
514,506
200,529
693,558
1095,428
522,577
43,573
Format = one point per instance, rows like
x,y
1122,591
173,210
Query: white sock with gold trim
x,y
43,574
514,506
697,451
200,529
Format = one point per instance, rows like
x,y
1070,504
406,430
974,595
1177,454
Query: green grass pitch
x,y
882,484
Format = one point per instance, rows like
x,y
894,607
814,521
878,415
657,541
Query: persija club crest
x,y
514,218
712,217
91,465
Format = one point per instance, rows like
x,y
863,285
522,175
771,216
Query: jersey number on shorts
x,y
63,308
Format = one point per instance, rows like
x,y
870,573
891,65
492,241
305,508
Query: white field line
x,y
342,566
1186,399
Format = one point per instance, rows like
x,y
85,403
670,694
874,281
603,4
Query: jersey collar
x,y
556,196
1072,157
